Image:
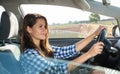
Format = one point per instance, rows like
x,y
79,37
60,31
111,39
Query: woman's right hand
x,y
96,49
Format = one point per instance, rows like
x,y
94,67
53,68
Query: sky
x,y
58,14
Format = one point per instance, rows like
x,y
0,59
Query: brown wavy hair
x,y
26,40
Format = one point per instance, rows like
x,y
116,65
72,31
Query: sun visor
x,y
82,4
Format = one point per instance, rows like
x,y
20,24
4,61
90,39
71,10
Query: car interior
x,y
10,45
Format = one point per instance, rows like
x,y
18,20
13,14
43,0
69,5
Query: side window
x,y
66,22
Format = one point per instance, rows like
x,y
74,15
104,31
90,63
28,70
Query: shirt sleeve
x,y
64,52
34,62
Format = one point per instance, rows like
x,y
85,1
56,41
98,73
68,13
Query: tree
x,y
94,18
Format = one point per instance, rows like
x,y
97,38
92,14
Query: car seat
x,y
9,51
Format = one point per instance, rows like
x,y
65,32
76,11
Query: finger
x,y
100,50
101,43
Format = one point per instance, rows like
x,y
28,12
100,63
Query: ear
x,y
29,29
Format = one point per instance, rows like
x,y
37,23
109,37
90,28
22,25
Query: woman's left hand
x,y
100,28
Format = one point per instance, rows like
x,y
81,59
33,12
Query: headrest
x,y
9,25
116,31
1,10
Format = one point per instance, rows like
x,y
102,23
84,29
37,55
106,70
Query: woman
x,y
35,48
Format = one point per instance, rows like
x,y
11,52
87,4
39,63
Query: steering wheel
x,y
99,59
107,43
108,50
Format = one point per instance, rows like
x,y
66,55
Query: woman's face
x,y
38,31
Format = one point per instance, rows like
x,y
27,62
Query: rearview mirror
x,y
116,31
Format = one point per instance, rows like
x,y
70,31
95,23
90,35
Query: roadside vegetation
x,y
79,29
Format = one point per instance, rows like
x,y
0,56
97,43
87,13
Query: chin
x,y
43,38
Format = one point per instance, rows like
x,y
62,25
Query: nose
x,y
44,29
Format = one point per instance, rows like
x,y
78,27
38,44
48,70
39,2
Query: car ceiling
x,y
86,5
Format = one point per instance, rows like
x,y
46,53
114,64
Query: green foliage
x,y
94,18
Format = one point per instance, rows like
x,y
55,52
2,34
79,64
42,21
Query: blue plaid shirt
x,y
33,63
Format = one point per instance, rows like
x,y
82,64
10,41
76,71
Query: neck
x,y
37,43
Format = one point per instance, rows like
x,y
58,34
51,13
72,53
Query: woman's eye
x,y
40,26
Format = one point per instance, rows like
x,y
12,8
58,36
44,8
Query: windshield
x,y
67,22
67,25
